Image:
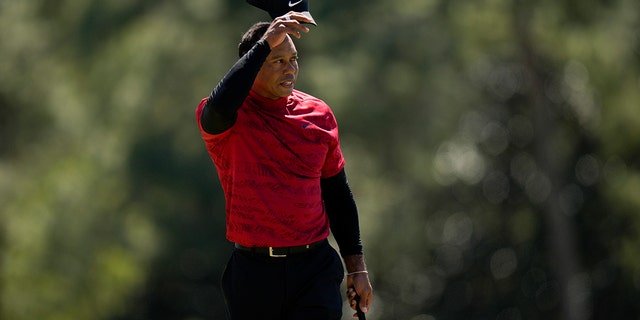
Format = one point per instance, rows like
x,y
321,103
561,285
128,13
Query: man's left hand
x,y
358,284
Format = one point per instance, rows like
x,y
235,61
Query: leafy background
x,y
493,147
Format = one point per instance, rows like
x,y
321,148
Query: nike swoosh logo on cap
x,y
293,4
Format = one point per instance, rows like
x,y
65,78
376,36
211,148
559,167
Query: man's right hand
x,y
288,24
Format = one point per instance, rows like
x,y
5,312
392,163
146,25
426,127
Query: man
x,y
278,158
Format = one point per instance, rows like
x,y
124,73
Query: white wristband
x,y
356,272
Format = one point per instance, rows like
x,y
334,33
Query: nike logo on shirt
x,y
293,4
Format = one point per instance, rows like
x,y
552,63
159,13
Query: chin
x,y
286,93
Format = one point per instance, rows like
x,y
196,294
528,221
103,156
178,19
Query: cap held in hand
x,y
277,8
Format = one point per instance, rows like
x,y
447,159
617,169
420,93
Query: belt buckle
x,y
271,254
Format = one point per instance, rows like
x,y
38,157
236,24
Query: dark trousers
x,y
299,287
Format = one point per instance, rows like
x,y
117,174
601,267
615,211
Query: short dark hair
x,y
252,36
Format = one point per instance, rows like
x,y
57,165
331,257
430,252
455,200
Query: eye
x,y
284,60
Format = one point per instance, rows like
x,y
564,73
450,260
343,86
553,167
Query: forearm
x,y
343,214
355,264
220,110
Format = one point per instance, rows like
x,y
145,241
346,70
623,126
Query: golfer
x,y
278,158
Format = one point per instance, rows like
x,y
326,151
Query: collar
x,y
267,103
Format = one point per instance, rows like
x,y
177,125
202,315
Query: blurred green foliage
x,y
492,146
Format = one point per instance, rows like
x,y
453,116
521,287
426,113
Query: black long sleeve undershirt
x,y
220,110
219,114
343,213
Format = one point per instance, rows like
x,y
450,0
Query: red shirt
x,y
270,163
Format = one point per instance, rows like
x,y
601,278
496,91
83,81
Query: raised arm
x,y
221,108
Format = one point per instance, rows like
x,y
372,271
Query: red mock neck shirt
x,y
270,163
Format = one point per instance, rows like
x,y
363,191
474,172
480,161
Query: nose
x,y
291,67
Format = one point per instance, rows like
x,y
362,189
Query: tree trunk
x,y
560,228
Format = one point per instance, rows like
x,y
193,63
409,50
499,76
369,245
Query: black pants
x,y
299,287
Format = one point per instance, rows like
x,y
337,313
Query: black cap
x,y
277,8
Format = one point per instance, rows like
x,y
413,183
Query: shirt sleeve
x,y
343,213
221,107
334,160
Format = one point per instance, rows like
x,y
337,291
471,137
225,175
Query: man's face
x,y
279,72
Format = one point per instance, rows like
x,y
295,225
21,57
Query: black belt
x,y
281,252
